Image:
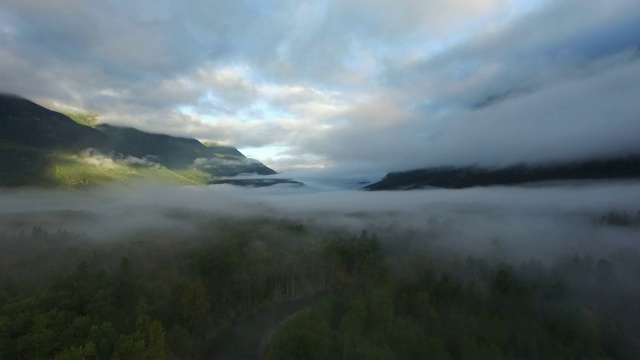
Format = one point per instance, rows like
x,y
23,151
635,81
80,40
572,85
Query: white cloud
x,y
94,158
111,161
146,161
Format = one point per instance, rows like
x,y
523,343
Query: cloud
x,y
146,161
214,162
586,117
95,158
520,52
327,80
543,222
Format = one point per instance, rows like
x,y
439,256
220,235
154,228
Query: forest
x,y
154,295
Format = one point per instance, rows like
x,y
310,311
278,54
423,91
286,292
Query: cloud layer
x,y
368,85
524,222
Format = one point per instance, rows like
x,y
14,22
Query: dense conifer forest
x,y
151,295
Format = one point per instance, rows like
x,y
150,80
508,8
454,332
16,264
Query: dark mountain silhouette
x,y
24,122
254,183
463,177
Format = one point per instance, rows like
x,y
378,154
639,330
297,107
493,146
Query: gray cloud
x,y
213,162
559,41
594,116
368,84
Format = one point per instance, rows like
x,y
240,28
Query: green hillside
x,y
72,171
90,120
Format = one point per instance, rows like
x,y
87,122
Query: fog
x,y
502,223
250,250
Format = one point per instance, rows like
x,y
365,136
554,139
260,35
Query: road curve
x,y
247,337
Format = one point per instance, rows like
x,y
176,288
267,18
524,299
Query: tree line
x,y
160,295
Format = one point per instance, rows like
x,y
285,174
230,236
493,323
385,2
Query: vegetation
x,y
28,159
621,218
73,171
158,294
90,120
139,297
77,170
476,310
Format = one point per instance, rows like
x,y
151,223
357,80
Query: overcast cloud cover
x,y
362,85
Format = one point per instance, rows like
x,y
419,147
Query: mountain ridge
x,y
451,177
36,143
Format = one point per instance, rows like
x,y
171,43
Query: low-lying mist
x,y
172,268
504,223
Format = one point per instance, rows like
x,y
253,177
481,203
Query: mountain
x,y
463,177
23,122
39,146
179,153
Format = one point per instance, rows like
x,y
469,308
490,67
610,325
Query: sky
x,y
346,86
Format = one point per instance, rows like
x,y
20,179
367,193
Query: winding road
x,y
248,337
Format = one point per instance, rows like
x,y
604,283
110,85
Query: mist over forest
x,y
179,268
542,220
507,130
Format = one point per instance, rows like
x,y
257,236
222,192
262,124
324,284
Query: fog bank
x,y
499,222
